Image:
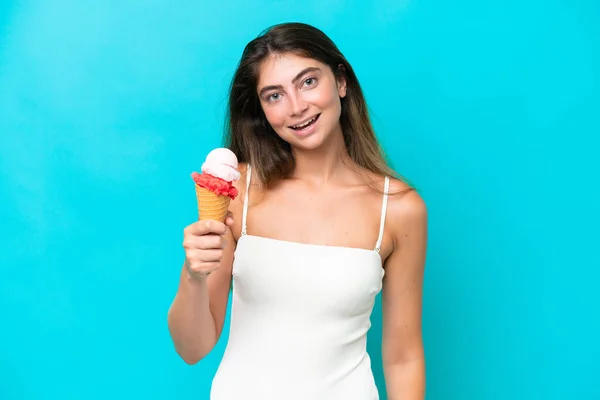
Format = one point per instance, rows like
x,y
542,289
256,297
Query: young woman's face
x,y
300,98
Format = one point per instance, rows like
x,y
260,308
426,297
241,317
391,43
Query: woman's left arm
x,y
402,344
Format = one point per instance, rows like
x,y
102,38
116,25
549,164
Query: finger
x,y
210,267
210,255
205,268
204,242
206,226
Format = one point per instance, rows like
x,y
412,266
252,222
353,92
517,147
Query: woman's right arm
x,y
197,314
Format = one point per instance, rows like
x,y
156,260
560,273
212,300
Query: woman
x,y
310,241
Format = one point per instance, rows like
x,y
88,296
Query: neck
x,y
321,166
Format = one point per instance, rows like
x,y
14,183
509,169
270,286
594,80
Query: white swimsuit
x,y
299,319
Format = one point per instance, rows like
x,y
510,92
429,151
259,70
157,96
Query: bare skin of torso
x,y
344,213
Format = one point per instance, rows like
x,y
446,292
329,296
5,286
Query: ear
x,y
341,80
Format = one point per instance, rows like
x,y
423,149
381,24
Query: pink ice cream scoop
x,y
221,163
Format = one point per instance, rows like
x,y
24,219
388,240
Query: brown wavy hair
x,y
250,136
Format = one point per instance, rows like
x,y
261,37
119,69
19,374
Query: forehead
x,y
280,69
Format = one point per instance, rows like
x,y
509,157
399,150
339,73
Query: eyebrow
x,y
298,76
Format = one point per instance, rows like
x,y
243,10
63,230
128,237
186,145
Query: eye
x,y
310,81
273,97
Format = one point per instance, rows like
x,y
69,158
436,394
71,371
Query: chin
x,y
312,142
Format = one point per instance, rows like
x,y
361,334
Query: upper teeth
x,y
304,124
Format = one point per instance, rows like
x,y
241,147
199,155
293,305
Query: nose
x,y
298,105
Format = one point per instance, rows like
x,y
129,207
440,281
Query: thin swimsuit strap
x,y
383,208
245,212
383,211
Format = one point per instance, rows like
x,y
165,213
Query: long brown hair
x,y
250,136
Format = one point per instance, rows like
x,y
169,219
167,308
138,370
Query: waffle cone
x,y
211,205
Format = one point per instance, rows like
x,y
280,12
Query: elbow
x,y
190,358
189,342
184,347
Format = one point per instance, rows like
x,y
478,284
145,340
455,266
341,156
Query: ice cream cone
x,y
211,205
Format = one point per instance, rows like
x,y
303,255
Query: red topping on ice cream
x,y
215,185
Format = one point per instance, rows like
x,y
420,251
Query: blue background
x,y
490,108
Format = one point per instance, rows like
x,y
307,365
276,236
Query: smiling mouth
x,y
306,124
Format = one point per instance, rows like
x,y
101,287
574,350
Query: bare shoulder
x,y
404,201
407,211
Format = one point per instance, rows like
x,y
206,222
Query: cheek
x,y
327,98
275,115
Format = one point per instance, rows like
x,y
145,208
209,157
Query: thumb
x,y
229,219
